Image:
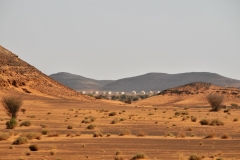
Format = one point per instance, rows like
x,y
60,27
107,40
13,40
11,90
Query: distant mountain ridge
x,y
146,82
79,83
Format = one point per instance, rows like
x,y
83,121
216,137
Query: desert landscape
x,y
56,122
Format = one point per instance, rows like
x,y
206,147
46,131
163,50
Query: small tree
x,y
215,101
11,106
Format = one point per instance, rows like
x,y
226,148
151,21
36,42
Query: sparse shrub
x,y
192,135
141,134
20,140
215,101
69,127
33,147
69,135
125,132
97,134
45,132
193,119
112,114
205,122
4,136
211,135
32,135
53,134
11,124
11,147
52,152
115,121
216,122
169,134
25,123
139,156
181,135
23,110
11,106
195,157
225,136
43,125
91,126
178,113
234,105
118,153
235,119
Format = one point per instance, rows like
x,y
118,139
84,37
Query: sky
x,y
106,39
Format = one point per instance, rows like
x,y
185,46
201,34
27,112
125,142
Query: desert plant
x,y
112,114
118,153
25,123
20,140
141,134
210,135
215,101
125,132
53,134
32,135
23,110
195,157
69,127
12,123
33,147
115,121
139,156
225,136
45,132
216,122
91,126
205,122
235,119
11,105
193,119
4,136
97,134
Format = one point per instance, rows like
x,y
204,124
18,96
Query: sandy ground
x,y
151,120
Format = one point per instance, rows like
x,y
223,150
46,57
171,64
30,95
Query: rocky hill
x,y
193,94
15,74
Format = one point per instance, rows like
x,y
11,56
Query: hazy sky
x,y
110,39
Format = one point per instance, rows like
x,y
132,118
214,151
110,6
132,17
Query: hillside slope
x,y
161,81
17,75
77,82
193,94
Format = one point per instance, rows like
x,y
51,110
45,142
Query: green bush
x,y
20,140
11,124
25,123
